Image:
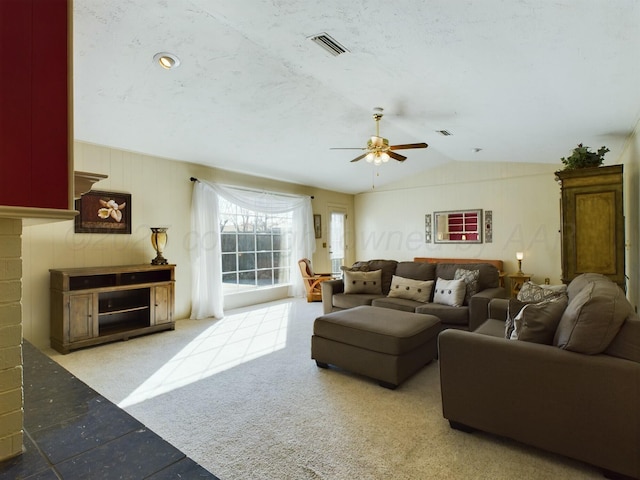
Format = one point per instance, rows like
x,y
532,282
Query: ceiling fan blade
x,y
360,157
408,145
397,156
347,148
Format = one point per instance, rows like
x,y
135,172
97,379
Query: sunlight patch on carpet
x,y
231,341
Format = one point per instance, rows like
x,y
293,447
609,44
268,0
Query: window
x,y
256,247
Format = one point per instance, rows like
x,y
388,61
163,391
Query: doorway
x,y
337,244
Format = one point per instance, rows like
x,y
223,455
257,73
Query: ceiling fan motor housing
x,y
378,143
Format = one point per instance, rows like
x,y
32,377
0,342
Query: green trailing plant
x,y
583,158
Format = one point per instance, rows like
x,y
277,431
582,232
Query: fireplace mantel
x,y
34,216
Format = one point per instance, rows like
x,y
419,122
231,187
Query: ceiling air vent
x,y
329,44
444,133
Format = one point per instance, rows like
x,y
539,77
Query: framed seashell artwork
x,y
103,212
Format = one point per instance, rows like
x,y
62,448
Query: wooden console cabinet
x,y
90,306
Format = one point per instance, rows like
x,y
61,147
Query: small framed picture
x,y
103,212
317,225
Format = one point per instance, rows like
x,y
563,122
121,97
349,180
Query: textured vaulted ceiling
x,y
523,80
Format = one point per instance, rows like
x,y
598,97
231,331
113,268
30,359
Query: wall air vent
x,y
444,133
328,43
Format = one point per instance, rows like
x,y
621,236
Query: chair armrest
x,y
329,289
479,305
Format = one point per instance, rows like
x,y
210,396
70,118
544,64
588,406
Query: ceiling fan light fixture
x,y
166,60
370,157
385,157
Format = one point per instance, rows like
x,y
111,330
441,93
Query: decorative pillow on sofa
x,y
411,289
513,309
450,292
363,282
530,292
470,278
593,317
537,322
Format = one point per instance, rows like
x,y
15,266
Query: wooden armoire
x,y
592,222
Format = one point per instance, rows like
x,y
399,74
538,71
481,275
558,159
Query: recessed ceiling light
x,y
166,60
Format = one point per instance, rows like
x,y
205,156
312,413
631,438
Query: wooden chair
x,y
312,281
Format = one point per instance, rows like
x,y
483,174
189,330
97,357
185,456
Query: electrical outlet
x,y
547,281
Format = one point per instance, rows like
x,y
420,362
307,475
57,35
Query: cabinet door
x,y
162,304
81,321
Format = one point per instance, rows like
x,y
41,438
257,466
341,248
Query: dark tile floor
x,y
72,432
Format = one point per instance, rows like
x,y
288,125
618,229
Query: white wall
x,y
161,196
524,199
631,160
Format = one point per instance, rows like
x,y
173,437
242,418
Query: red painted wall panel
x,y
34,141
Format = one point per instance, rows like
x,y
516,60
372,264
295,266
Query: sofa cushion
x,y
537,322
396,303
416,270
513,308
491,327
388,268
343,301
530,292
410,289
581,281
449,292
470,278
627,342
363,282
447,314
593,317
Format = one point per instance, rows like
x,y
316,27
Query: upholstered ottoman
x,y
381,343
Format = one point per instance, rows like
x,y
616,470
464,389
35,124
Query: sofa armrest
x,y
582,406
479,305
329,289
498,308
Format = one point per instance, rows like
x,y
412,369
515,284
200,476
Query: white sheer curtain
x,y
206,256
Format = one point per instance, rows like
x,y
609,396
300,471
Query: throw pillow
x,y
530,292
470,278
593,318
450,292
513,309
537,322
363,282
411,289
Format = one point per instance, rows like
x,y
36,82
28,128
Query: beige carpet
x,y
242,397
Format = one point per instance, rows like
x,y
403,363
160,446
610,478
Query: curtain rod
x,y
194,179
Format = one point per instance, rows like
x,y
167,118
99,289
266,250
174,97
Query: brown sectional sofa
x,y
578,396
467,317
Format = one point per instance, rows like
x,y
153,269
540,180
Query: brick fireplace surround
x,y
11,406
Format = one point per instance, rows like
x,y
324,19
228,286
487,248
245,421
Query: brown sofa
x,y
468,316
578,396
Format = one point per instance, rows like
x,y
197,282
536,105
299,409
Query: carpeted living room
x,y
161,186
242,397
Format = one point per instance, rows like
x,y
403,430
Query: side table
x,y
517,281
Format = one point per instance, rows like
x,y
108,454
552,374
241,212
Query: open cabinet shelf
x,y
90,306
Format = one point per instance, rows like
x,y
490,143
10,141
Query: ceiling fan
x,y
378,150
